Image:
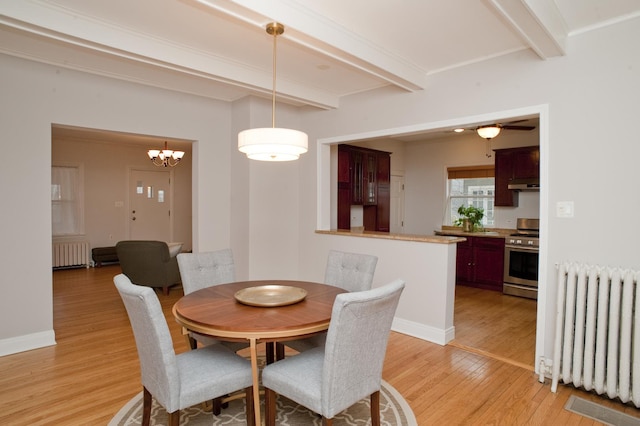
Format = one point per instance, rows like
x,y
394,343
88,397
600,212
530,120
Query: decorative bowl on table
x,y
270,295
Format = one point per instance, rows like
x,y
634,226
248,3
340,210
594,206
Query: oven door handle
x,y
522,248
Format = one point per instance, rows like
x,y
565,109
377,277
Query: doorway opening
x,y
423,133
114,163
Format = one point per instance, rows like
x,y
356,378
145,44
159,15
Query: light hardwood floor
x,y
93,370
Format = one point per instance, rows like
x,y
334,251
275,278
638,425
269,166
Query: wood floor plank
x,y
93,369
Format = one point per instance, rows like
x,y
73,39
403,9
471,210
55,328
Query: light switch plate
x,y
564,209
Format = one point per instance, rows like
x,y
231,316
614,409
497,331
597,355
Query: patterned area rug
x,y
394,411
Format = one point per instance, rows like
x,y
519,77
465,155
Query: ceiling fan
x,y
490,131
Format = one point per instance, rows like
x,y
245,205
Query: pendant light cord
x,y
273,96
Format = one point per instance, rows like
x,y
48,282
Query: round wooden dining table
x,y
214,311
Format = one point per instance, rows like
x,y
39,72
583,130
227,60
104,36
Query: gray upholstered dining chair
x,y
202,270
349,271
178,381
348,368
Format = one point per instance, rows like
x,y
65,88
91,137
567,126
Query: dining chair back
x,y
348,368
178,381
349,271
201,270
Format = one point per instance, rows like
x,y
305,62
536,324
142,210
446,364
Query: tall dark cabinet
x,y
514,163
364,178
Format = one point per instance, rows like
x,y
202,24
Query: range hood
x,y
532,184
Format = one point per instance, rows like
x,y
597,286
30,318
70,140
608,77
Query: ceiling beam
x,y
538,22
326,37
48,21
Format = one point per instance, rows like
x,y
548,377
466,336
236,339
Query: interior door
x,y
149,201
397,205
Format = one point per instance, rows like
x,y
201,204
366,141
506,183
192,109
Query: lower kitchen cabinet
x,y
480,263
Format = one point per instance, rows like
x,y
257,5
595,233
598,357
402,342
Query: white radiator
x,y
71,253
597,341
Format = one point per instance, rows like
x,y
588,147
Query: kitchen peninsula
x,y
427,263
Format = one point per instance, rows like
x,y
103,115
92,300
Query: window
x,y
470,186
67,209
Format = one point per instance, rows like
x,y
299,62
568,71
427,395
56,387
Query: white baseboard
x,y
424,332
27,342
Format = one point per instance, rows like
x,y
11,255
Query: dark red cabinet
x,y
480,262
514,163
364,179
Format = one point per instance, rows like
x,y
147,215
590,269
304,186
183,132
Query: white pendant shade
x,y
272,143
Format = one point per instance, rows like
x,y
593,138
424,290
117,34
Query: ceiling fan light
x,y
488,132
272,143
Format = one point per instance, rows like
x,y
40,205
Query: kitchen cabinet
x,y
480,263
510,164
364,177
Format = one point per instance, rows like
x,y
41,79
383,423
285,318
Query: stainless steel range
x,y
521,260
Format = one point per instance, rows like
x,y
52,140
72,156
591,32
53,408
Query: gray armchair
x,y
349,271
148,263
348,368
179,381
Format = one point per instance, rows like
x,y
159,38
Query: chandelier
x,y
165,157
272,143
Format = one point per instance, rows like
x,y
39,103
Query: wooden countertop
x,y
488,233
435,239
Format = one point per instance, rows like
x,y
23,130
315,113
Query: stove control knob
x,y
530,243
518,241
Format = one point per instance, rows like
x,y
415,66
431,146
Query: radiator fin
x,y
597,335
70,253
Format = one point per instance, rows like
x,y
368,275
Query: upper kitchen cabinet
x,y
364,179
515,165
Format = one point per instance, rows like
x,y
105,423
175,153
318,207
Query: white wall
x,y
589,155
33,97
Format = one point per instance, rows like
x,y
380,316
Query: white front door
x,y
396,219
150,205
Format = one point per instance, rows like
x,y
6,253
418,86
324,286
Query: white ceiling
x,y
330,48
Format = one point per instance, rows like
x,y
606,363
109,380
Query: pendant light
x,y
273,143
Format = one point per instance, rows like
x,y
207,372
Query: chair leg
x,y
165,290
193,343
327,422
269,407
217,406
270,352
375,408
279,351
146,407
174,418
251,415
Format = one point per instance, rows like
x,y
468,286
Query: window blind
x,y
470,172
